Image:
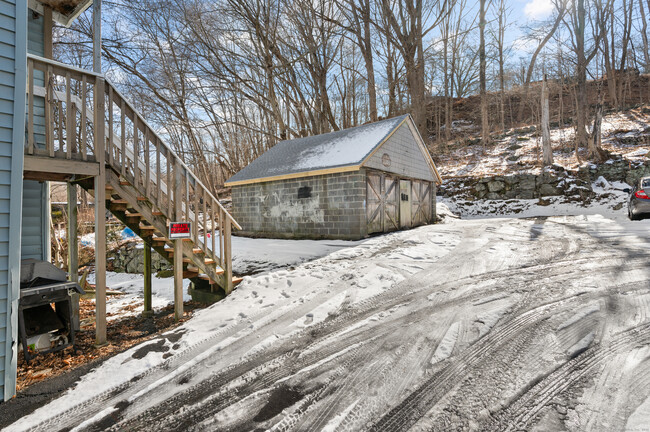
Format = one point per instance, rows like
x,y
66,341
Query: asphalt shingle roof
x,y
348,147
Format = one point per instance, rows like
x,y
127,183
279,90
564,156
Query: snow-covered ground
x,y
626,134
482,324
249,256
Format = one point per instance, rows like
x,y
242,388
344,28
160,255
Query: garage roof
x,y
340,151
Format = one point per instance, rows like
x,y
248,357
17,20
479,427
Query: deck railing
x,y
64,105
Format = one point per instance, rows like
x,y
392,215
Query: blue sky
x,y
531,9
523,13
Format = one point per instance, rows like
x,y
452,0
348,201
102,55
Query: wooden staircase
x,y
152,225
87,121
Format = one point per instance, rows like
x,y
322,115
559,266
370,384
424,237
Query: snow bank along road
x,y
500,324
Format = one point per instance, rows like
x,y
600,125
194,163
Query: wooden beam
x,y
178,247
148,310
73,251
97,36
61,166
39,176
47,33
100,216
324,171
227,255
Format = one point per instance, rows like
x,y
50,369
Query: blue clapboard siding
x,y
12,98
7,56
33,235
33,239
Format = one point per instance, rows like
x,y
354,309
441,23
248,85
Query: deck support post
x,y
178,245
73,251
97,36
47,33
227,254
100,214
148,309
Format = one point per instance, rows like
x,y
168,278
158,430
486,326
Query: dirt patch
x,y
121,334
281,398
158,346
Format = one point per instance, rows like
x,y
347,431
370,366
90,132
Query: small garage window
x,y
304,192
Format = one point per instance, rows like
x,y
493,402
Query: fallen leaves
x,y
122,334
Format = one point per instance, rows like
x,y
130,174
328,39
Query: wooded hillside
x,y
224,80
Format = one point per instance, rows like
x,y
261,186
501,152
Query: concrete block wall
x,y
336,208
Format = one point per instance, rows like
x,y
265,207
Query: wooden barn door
x,y
421,202
391,200
374,204
382,204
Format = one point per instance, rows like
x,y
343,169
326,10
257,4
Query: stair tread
x,y
166,239
195,251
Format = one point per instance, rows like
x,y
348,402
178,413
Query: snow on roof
x,y
344,148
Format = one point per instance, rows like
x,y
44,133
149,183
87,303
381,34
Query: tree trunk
x,y
581,72
533,59
547,149
485,127
445,45
596,132
644,36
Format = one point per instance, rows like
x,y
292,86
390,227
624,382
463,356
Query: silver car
x,y
638,204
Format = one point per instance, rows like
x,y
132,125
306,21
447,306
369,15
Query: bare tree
x,y
583,58
560,10
406,29
502,14
547,150
644,35
485,127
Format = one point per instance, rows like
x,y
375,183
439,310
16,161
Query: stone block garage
x,y
347,184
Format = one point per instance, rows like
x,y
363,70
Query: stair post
x,y
100,215
73,251
227,255
178,245
148,309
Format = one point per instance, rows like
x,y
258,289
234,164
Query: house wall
x,y
35,235
336,208
36,46
13,47
406,158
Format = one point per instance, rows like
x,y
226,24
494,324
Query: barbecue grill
x,y
43,286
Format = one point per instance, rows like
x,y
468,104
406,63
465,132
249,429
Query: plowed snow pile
x,y
493,324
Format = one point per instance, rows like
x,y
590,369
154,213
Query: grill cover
x,y
31,270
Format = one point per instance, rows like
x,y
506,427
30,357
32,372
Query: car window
x,y
645,183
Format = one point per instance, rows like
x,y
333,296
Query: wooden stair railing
x,y
143,173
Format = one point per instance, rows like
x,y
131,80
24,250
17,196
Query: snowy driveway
x,y
500,324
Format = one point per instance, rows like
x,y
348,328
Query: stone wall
x,y
325,206
129,258
518,186
616,170
553,182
